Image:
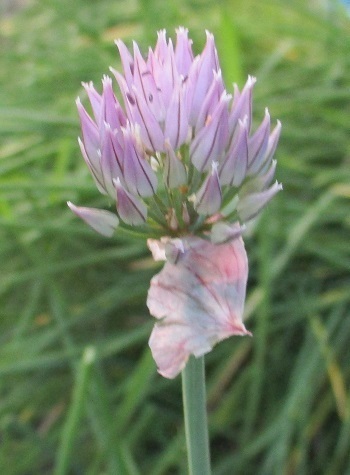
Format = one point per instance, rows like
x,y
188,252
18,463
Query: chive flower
x,y
179,156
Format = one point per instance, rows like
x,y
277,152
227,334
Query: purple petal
x,y
95,100
183,51
208,197
257,145
210,142
211,101
102,221
130,209
146,87
200,300
161,50
139,113
176,123
139,177
112,160
127,62
174,170
95,170
201,76
151,131
112,113
163,67
234,167
125,89
271,147
250,205
91,136
242,105
259,182
266,179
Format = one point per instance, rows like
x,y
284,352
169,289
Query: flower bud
x,y
139,177
174,170
102,221
208,197
250,205
131,209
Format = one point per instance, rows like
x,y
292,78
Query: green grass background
x,y
79,393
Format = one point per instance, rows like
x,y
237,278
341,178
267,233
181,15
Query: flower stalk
x,y
195,415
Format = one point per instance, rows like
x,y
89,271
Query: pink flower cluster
x,y
181,161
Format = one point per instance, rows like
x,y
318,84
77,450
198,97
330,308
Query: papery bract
x,y
199,300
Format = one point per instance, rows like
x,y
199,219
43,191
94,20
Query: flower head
x,y
177,153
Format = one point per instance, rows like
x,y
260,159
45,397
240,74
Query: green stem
x,y
195,413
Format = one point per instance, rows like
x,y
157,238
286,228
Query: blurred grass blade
x,y
228,43
75,412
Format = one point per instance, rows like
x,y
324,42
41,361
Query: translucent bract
x,y
198,297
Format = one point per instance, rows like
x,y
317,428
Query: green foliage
x,y
78,389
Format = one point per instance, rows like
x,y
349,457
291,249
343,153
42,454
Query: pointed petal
x,y
234,167
146,87
200,300
95,100
165,73
151,131
242,105
139,177
125,88
139,113
210,142
273,139
127,62
130,209
259,182
271,147
161,48
211,101
176,122
174,170
183,51
95,172
201,76
102,221
249,206
112,160
112,113
208,197
257,145
91,136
